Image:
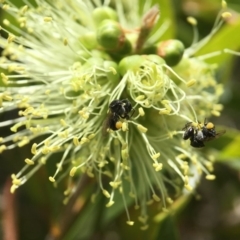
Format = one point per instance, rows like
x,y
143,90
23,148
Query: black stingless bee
x,y
119,109
199,133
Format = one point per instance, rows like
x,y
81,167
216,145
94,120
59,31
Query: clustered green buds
x,y
110,35
172,51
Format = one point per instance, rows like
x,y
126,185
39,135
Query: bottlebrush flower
x,y
65,62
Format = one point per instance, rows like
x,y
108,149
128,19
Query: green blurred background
x,y
36,212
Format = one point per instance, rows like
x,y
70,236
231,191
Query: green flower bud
x,y
110,35
112,67
126,47
171,50
156,59
132,63
123,50
89,40
102,13
93,61
150,50
83,56
100,54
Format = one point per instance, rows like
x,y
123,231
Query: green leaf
x,y
166,17
86,223
228,146
168,229
225,38
231,151
166,21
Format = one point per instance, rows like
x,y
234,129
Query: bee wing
x,y
106,124
218,134
187,125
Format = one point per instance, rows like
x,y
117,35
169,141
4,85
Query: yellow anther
x,y
13,188
29,161
226,15
224,4
16,181
63,134
140,97
6,96
63,122
24,9
143,219
84,140
3,148
141,128
48,91
130,223
47,19
5,7
165,111
42,160
75,141
156,156
215,113
45,150
188,187
192,21
4,78
181,156
102,164
186,180
91,136
210,177
146,103
51,179
90,174
113,70
24,142
11,38
124,154
54,148
132,195
144,227
115,184
13,176
106,193
34,149
169,200
218,107
65,41
156,198
191,82
65,200
6,22
93,198
141,111
73,171
165,210
158,166
124,126
110,203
